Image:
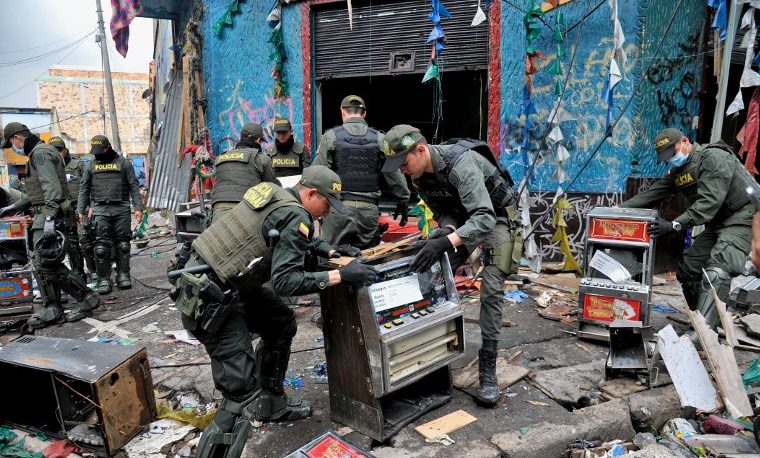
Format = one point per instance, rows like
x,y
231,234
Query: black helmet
x,y
52,250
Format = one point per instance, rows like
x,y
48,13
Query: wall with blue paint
x,y
666,97
237,70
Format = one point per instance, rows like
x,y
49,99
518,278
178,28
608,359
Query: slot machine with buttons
x,y
389,345
617,265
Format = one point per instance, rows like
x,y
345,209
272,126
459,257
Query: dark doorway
x,y
403,99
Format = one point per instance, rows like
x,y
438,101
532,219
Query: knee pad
x,y
719,278
124,247
102,252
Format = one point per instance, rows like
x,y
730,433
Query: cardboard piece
x,y
723,367
725,318
445,425
690,378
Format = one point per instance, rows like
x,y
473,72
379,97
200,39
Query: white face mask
x,y
678,159
18,150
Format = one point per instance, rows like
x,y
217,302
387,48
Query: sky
x,y
48,32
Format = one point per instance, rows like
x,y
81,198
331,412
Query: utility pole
x,y
115,140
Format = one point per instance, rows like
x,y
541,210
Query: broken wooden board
x,y
506,374
725,318
619,387
445,425
723,367
690,378
568,285
372,253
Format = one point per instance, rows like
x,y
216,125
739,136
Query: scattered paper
x,y
607,265
183,336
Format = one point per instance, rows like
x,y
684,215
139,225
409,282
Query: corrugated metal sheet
x,y
381,28
169,184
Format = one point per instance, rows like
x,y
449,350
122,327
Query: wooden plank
x,y
506,374
725,318
445,425
549,284
724,368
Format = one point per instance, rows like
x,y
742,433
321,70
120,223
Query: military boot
x,y
103,268
123,278
49,315
488,392
273,404
89,303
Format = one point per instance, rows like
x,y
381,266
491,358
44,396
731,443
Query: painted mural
x,y
237,65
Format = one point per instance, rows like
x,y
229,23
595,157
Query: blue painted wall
x,y
239,85
666,97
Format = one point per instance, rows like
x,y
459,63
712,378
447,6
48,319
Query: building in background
x,y
78,96
39,121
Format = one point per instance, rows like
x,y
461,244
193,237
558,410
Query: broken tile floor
x,y
557,403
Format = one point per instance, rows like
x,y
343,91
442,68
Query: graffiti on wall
x,y
238,110
676,83
584,90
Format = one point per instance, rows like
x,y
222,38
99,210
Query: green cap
x,y
326,182
353,101
57,142
282,125
99,144
11,129
398,142
665,143
252,130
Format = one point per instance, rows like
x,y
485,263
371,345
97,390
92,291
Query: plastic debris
x,y
516,296
752,374
524,430
10,445
194,416
664,309
294,382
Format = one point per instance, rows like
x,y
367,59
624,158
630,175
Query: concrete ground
x,y
528,422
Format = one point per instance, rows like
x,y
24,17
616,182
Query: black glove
x,y
346,250
441,232
660,227
402,209
356,273
49,230
430,253
9,210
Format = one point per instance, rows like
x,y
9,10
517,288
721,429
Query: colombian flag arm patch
x,y
303,229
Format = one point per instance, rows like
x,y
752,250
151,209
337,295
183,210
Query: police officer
x,y
289,156
714,183
239,169
76,248
470,200
354,151
264,237
107,184
47,190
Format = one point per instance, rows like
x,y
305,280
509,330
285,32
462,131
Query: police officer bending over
x,y
472,201
239,169
49,195
714,183
264,237
354,151
289,156
107,183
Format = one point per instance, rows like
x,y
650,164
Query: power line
x,y
19,51
64,119
39,57
35,79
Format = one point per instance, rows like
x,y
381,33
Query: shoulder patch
x,y
38,159
259,195
708,163
303,229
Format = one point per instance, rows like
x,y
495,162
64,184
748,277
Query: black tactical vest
x,y
358,159
286,164
231,243
436,186
235,173
686,179
108,181
72,178
32,181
